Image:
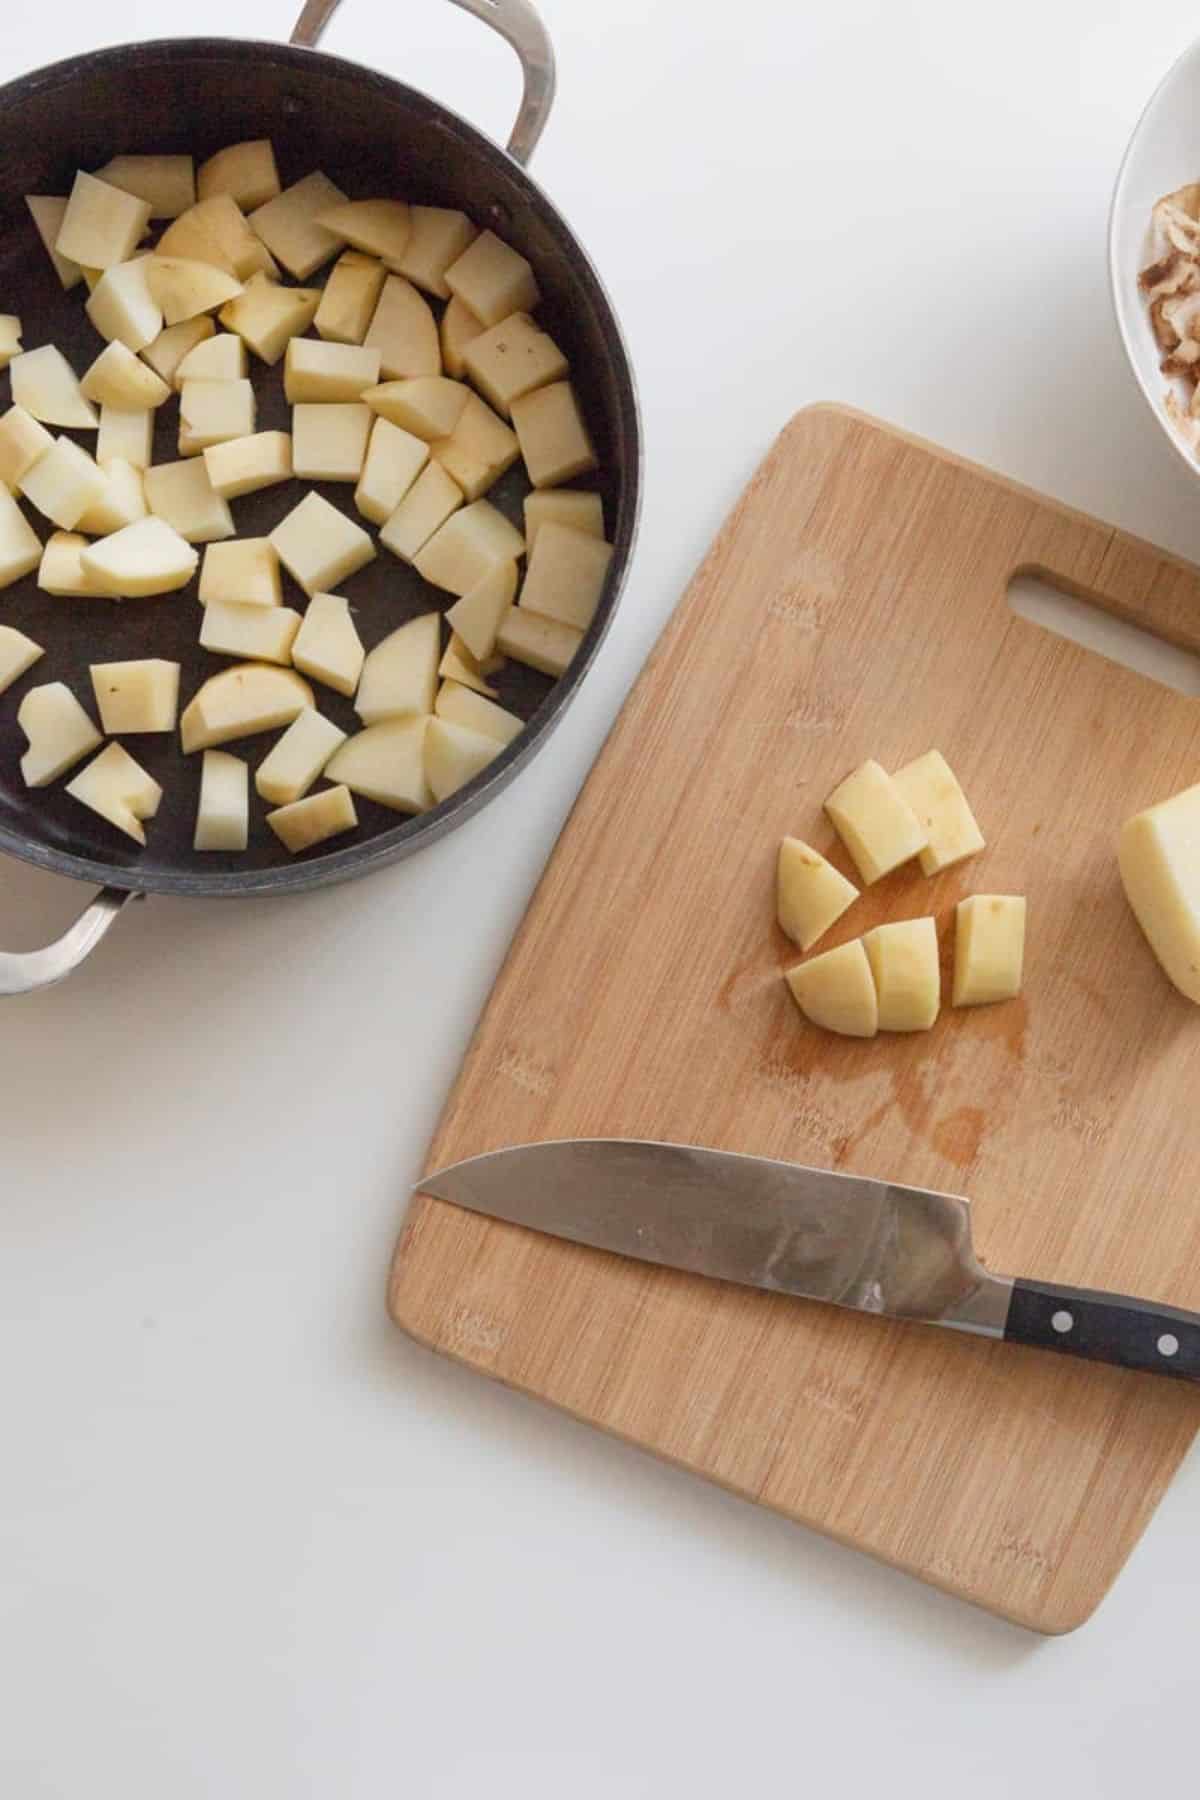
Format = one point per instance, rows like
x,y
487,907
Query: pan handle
x,y
25,972
517,22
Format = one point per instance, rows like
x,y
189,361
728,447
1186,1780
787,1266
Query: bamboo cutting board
x,y
854,605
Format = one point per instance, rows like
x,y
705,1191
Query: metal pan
x,y
372,135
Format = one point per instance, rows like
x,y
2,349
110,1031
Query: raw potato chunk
x,y
265,315
476,617
328,372
290,769
241,701
308,822
219,357
60,733
471,542
62,572
214,412
386,763
1159,860
223,816
811,894
394,460
462,707
136,696
23,442
989,948
119,789
836,990
437,237
244,465
553,437
540,643
428,406
48,211
20,547
459,665
123,501
875,822
931,788
479,449
166,183
125,436
327,646
349,299
246,172
459,327
400,674
192,240
566,575
404,331
454,755
119,378
261,633
904,964
376,227
10,338
182,494
64,483
512,359
168,352
329,443
319,547
124,311
46,385
18,653
102,225
563,506
147,558
288,225
493,280
245,571
184,287
215,232
427,504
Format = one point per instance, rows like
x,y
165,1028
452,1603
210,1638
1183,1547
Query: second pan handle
x,y
517,22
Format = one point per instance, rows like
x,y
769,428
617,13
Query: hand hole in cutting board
x,y
1088,623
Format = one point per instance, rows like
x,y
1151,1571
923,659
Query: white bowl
x,y
1163,154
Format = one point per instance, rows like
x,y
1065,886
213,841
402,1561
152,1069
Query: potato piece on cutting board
x,y
811,895
1159,860
989,948
904,965
875,822
223,814
931,788
59,732
837,991
134,697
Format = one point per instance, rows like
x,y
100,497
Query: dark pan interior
x,y
372,136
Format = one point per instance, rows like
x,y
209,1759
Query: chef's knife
x,y
898,1252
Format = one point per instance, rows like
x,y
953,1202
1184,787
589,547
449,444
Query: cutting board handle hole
x,y
1034,595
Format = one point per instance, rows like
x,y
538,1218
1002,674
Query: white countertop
x,y
252,1541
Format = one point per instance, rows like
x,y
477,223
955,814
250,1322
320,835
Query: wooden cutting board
x,y
854,605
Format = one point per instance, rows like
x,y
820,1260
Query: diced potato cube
x,y
18,654
540,643
119,378
459,328
376,227
476,617
60,733
307,822
875,822
62,572
931,788
244,465
184,287
565,506
48,211
244,571
566,575
260,633
223,815
20,547
811,894
553,437
288,225
46,385
400,674
125,436
511,359
123,309
246,172
328,646
291,767
325,373
438,235
462,707
10,338
166,183
493,279
319,546
147,558
63,483
266,315
394,460
386,763
904,966
428,406
102,225
214,412
22,443
350,297
192,240
428,503
168,352
119,789
404,331
989,948
329,443
123,501
837,991
459,665
479,449
240,702
1159,859
182,494
214,231
218,357
136,696
454,755
471,542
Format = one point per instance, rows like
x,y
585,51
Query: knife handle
x,y
1110,1328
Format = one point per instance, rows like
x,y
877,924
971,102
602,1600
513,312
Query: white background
x,y
253,1542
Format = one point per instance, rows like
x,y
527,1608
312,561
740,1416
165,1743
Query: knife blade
x,y
816,1234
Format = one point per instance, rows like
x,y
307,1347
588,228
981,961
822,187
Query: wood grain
x,y
854,605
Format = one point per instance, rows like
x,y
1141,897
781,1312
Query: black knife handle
x,y
1111,1328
